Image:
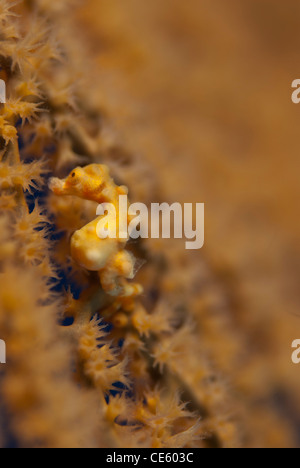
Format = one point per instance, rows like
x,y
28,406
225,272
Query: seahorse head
x,y
85,182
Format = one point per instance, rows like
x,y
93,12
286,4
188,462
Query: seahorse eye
x,y
73,175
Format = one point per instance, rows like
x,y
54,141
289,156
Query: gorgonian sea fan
x,y
126,371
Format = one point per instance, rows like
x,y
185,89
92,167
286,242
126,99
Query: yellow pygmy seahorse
x,y
108,257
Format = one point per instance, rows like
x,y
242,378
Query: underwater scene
x,y
149,231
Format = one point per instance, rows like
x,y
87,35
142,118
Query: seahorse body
x,y
108,256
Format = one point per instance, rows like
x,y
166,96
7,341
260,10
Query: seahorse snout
x,y
57,186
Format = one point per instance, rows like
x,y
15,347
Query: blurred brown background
x,y
202,90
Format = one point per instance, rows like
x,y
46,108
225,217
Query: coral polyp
x,y
55,270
